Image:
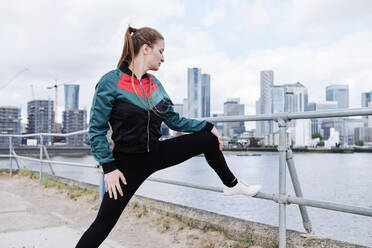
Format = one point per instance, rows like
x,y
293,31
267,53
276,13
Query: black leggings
x,y
138,167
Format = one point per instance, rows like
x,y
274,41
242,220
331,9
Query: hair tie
x,y
134,30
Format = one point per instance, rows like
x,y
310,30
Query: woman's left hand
x,y
217,134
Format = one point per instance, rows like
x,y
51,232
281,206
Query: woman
x,y
135,104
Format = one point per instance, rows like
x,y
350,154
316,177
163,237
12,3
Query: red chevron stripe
x,y
125,83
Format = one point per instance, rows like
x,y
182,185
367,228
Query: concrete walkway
x,y
23,225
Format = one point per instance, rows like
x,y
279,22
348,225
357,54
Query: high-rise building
x,y
327,105
296,100
218,125
178,108
317,123
233,107
185,110
75,120
363,134
311,106
296,97
266,80
40,116
71,96
344,126
259,124
338,93
10,123
283,98
347,131
278,104
366,98
326,124
194,92
206,95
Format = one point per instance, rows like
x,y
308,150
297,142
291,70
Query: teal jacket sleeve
x,y
174,121
103,100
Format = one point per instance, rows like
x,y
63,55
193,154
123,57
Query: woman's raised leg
x,y
176,150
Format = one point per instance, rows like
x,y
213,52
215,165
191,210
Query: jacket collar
x,y
125,69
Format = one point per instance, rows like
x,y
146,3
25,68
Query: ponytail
x,y
128,49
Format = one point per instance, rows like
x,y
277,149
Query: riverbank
x,y
65,203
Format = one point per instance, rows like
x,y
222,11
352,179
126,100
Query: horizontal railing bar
x,y
260,195
45,134
330,113
239,118
266,196
56,162
294,115
189,185
203,187
331,206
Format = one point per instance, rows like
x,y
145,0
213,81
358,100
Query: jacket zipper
x,y
148,131
148,120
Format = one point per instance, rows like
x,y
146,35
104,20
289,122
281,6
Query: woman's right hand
x,y
112,183
217,134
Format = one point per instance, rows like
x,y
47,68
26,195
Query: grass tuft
x,y
73,191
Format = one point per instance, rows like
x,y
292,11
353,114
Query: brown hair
x,y
133,41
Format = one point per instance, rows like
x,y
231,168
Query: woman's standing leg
x,y
136,170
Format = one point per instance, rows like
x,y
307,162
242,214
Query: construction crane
x,y
55,86
32,91
2,86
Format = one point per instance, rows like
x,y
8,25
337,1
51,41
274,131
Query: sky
x,y
317,43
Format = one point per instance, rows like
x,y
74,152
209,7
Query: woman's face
x,y
154,55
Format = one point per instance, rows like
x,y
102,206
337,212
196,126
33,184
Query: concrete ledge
x,y
235,228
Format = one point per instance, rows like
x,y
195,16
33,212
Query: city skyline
x,y
274,98
71,96
282,37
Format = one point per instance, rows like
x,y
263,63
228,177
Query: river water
x,y
341,178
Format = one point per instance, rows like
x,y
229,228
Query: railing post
x,y
102,189
41,157
297,188
47,157
282,148
10,156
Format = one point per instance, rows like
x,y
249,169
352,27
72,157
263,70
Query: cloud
x,y
68,40
241,15
213,16
83,40
255,16
319,19
347,61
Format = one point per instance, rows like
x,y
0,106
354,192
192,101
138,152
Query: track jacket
x,y
135,128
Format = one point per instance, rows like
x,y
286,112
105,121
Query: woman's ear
x,y
146,49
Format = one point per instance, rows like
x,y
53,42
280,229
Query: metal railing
x,y
285,158
43,152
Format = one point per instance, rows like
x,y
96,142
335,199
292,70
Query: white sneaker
x,y
242,189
